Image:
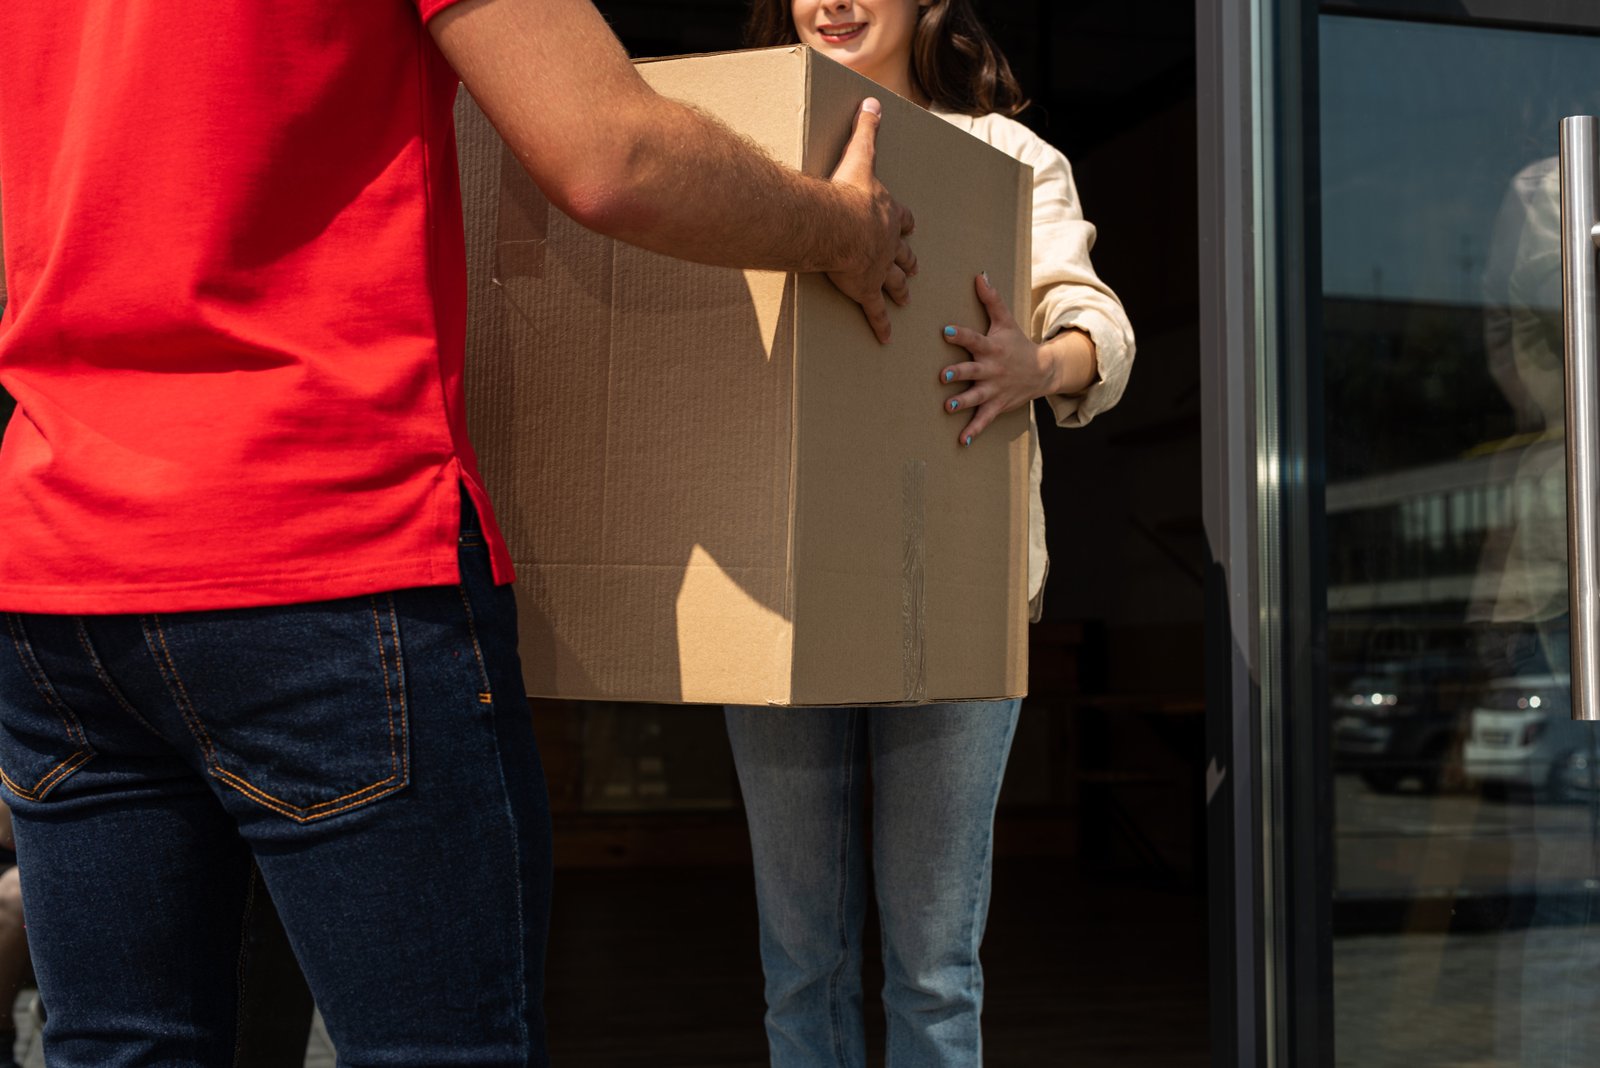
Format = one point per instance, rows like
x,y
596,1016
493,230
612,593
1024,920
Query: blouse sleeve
x,y
1067,292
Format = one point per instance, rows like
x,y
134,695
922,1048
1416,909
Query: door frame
x,y
1262,483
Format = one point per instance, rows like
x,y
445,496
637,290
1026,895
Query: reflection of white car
x,y
1523,737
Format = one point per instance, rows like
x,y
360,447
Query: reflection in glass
x,y
1466,897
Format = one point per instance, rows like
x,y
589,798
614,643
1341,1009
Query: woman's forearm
x,y
1071,357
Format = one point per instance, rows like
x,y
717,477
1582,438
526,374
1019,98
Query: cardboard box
x,y
716,485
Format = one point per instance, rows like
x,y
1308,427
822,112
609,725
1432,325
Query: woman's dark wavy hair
x,y
953,59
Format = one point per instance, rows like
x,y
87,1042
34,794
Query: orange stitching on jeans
x,y
249,789
477,650
383,663
16,789
245,786
41,681
105,679
61,771
181,692
401,760
51,777
383,666
306,815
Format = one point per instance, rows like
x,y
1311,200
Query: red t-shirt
x,y
236,312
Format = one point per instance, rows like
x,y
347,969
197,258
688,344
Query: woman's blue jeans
x,y
935,776
371,759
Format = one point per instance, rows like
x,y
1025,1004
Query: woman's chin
x,y
850,55
846,52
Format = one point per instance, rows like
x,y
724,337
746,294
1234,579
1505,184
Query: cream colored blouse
x,y
1066,293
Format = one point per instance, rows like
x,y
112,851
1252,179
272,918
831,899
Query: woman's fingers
x,y
974,342
964,372
969,399
991,368
993,302
986,414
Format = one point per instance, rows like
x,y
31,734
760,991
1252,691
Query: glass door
x,y
1456,862
1465,800
1404,815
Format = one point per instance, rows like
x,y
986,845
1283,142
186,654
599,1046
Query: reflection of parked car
x,y
1399,721
1524,738
1400,685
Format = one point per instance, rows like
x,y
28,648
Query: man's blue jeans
x,y
935,774
372,759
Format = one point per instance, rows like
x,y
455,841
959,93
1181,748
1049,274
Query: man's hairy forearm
x,y
631,164
695,189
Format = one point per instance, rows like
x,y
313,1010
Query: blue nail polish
x,y
954,405
968,440
949,376
949,331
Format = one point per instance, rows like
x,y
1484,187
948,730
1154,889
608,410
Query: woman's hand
x,y
1008,369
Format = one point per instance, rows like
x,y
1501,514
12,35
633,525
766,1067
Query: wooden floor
x,y
658,967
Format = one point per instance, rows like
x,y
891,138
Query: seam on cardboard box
x,y
646,60
613,251
522,226
913,579
791,595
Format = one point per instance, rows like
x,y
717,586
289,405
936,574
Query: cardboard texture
x,y
716,485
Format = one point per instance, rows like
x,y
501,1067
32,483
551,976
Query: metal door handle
x,y
1579,313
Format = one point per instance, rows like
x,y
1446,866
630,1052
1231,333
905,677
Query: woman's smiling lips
x,y
835,33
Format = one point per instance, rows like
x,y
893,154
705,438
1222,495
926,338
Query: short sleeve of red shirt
x,y
430,8
236,311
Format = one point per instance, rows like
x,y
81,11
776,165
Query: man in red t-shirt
x,y
256,616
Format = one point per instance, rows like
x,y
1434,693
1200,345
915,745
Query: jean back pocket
x,y
299,708
41,740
